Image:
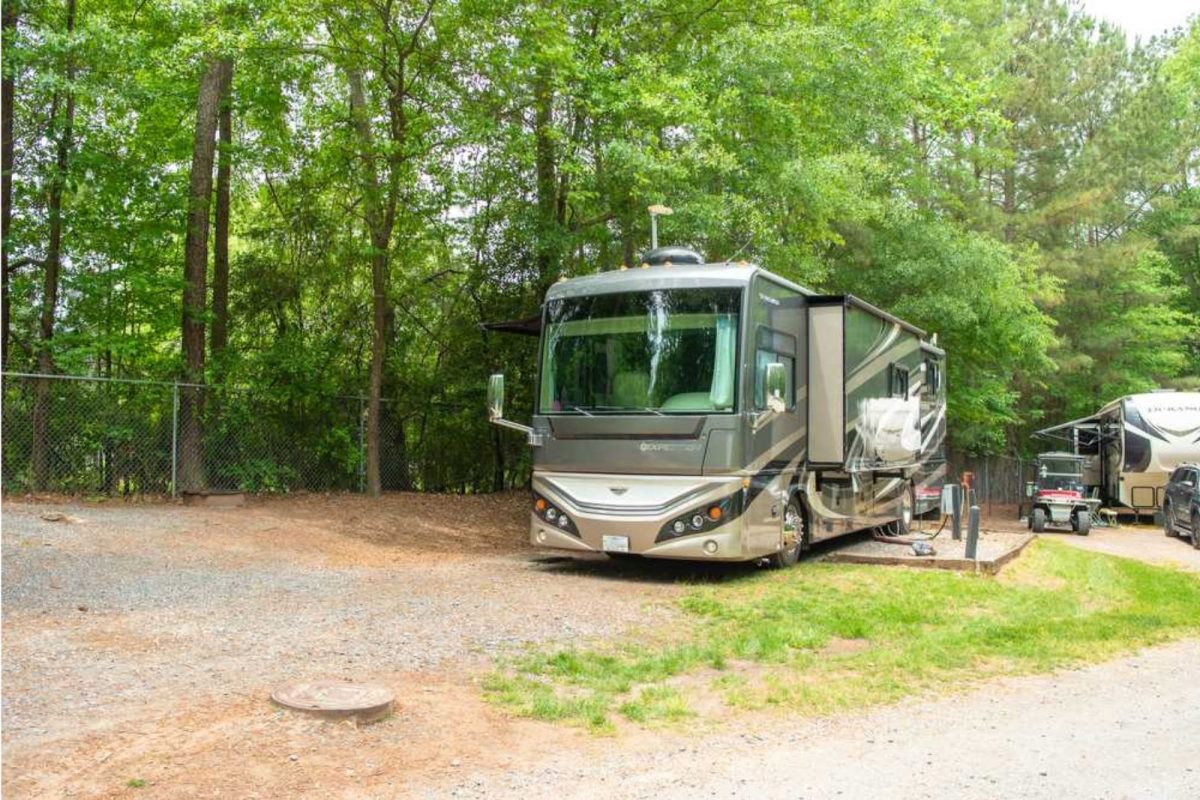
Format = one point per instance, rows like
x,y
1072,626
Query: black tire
x,y
1037,520
793,517
1196,530
1083,522
908,510
1168,526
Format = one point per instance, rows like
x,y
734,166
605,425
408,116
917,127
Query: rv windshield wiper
x,y
583,411
643,409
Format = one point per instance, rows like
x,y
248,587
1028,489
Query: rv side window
x,y
774,346
899,381
933,377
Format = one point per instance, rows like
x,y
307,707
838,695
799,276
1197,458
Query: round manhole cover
x,y
366,702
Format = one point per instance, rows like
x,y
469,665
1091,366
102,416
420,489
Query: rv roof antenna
x,y
740,250
657,211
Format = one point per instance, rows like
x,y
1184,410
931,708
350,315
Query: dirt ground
x,y
141,643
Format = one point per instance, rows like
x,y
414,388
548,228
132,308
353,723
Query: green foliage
x,y
831,637
1012,176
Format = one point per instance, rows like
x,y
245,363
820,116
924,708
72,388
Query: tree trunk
x,y
195,268
379,230
1010,202
53,265
220,288
547,195
7,87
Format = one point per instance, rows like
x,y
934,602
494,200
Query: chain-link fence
x,y
85,435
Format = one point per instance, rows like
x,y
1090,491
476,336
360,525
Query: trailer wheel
x,y
1038,520
793,521
1083,522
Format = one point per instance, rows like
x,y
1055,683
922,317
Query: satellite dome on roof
x,y
675,255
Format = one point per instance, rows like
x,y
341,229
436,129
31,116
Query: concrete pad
x,y
995,550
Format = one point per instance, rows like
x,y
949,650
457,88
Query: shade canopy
x,y
531,326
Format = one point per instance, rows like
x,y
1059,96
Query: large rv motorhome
x,y
716,411
1131,445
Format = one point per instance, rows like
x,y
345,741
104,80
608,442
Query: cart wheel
x,y
1083,522
1038,520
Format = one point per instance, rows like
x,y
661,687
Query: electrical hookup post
x,y
952,507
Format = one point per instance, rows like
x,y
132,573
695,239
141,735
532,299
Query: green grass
x,y
773,639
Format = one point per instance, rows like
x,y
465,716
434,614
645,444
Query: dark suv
x,y
1181,508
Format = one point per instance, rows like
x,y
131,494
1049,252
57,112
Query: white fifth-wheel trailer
x,y
1132,444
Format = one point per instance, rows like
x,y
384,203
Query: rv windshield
x,y
665,351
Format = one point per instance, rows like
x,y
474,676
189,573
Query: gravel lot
x,y
141,642
1145,542
131,612
1123,730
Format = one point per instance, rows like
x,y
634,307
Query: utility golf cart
x,y
1057,494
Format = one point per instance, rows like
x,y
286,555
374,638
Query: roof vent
x,y
672,255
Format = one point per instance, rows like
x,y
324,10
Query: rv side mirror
x,y
495,396
774,387
495,408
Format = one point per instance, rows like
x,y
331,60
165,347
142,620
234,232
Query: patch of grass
x,y
1055,606
135,783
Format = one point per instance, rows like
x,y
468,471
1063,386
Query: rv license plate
x,y
616,544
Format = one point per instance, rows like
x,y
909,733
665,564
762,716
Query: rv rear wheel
x,y
1038,520
908,504
793,523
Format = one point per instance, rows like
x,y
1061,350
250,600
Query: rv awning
x,y
526,327
1085,423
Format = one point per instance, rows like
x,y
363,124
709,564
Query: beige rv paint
x,y
826,404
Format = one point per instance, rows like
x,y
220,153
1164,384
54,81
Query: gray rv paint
x,y
628,475
827,411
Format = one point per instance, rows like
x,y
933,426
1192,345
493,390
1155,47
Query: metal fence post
x,y
175,439
987,482
362,447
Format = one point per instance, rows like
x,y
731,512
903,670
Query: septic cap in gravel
x,y
362,702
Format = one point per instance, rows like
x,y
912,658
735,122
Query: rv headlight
x,y
551,513
697,521
563,522
679,526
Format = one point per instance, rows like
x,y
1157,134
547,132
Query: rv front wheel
x,y
794,533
